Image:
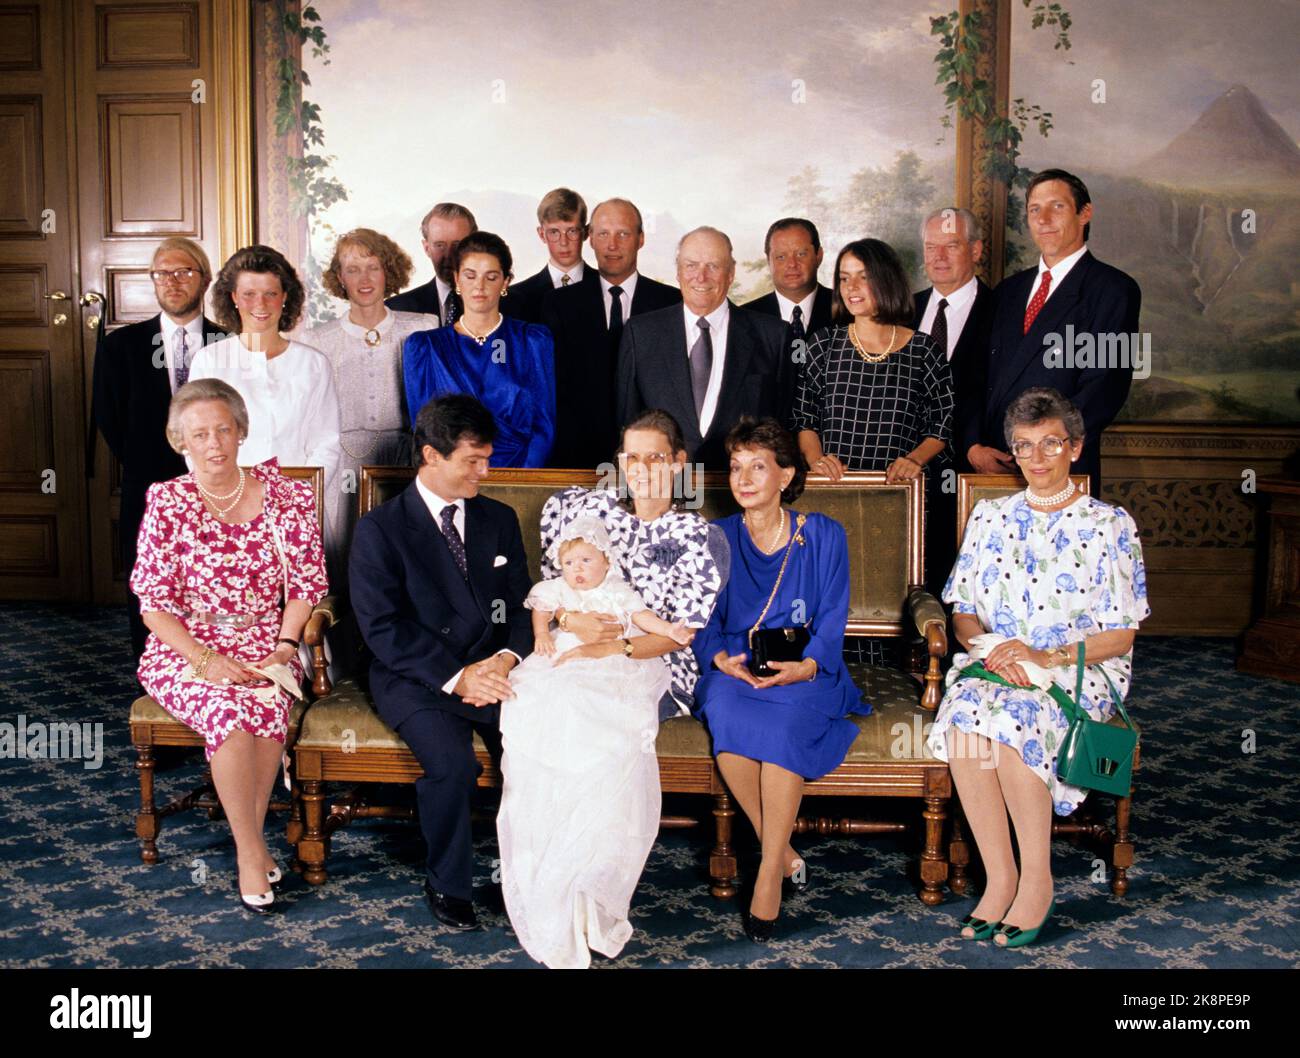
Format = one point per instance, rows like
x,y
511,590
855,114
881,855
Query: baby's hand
x,y
544,644
679,633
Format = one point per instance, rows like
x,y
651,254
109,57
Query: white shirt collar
x,y
1059,270
717,318
170,327
628,286
443,290
434,502
786,307
558,274
357,331
963,295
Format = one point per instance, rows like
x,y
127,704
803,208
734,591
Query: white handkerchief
x,y
281,676
982,644
500,560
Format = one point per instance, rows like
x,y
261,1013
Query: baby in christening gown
x,y
580,804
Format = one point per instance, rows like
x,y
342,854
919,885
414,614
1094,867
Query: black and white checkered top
x,y
870,414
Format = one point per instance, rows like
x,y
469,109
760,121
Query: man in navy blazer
x,y
1038,320
705,362
438,578
587,323
793,248
137,369
562,228
441,232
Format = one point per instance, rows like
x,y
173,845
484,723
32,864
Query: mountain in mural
x,y
1234,143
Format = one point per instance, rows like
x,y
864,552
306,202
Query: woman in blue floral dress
x,y
1042,571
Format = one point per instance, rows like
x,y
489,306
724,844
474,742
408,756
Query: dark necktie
x,y
564,280
701,365
796,324
454,543
939,328
1036,302
181,359
615,315
450,309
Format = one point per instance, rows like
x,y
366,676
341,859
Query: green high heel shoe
x,y
1017,937
983,930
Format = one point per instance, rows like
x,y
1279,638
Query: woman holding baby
x,y
629,578
1043,574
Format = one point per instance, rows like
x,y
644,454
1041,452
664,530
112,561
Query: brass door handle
x,y
89,299
92,298
58,295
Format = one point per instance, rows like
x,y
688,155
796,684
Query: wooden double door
x,y
112,130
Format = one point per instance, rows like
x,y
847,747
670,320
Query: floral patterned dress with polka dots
x,y
1049,579
188,562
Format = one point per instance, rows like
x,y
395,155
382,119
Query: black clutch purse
x,y
777,644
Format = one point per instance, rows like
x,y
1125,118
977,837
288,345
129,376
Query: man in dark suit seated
x,y
438,578
137,369
562,227
706,363
1070,323
587,323
793,249
441,233
957,312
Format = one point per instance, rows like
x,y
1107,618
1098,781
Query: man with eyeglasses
x,y
137,369
587,324
708,362
562,228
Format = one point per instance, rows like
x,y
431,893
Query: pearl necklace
x,y
1052,500
872,358
215,500
481,339
780,531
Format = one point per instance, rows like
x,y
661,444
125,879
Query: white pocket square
x,y
500,560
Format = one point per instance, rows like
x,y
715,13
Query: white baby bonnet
x,y
592,530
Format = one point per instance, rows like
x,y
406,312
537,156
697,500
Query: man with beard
x,y
137,369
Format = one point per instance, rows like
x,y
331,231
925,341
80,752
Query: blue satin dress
x,y
803,727
512,373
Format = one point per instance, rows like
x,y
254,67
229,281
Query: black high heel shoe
x,y
262,904
759,930
797,880
275,878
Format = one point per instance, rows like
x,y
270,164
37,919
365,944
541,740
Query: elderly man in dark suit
x,y
441,233
439,578
957,312
587,323
1069,323
793,249
137,369
706,363
562,228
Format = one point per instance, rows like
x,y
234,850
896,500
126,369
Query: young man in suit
x,y
587,323
793,249
438,579
137,369
441,233
1068,288
706,363
957,312
562,227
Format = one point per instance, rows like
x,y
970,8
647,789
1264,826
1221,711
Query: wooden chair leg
x,y
313,848
293,828
147,821
722,860
958,853
1122,852
934,868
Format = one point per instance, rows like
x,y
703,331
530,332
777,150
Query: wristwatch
x,y
627,648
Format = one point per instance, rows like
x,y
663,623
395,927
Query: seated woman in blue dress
x,y
506,364
771,733
1042,574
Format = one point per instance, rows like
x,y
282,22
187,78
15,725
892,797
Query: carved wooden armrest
x,y
323,617
931,622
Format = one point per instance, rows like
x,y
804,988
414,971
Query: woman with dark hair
x,y
507,364
1049,589
873,394
672,557
776,725
293,409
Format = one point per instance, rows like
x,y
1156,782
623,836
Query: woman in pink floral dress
x,y
229,566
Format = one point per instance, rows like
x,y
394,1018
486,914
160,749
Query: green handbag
x,y
1095,755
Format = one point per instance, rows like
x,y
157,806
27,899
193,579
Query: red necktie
x,y
1036,302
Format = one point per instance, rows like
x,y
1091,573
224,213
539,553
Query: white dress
x,y
580,804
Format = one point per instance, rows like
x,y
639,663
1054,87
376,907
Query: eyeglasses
x,y
1049,446
178,275
650,459
562,234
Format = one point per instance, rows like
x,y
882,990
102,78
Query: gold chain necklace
x,y
775,540
872,358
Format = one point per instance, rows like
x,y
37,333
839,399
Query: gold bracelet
x,y
563,620
199,667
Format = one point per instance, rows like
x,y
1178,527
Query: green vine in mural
x,y
962,39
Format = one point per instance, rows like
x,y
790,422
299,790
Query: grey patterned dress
x,y
673,562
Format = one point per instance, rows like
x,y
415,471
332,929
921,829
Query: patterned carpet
x,y
1216,883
